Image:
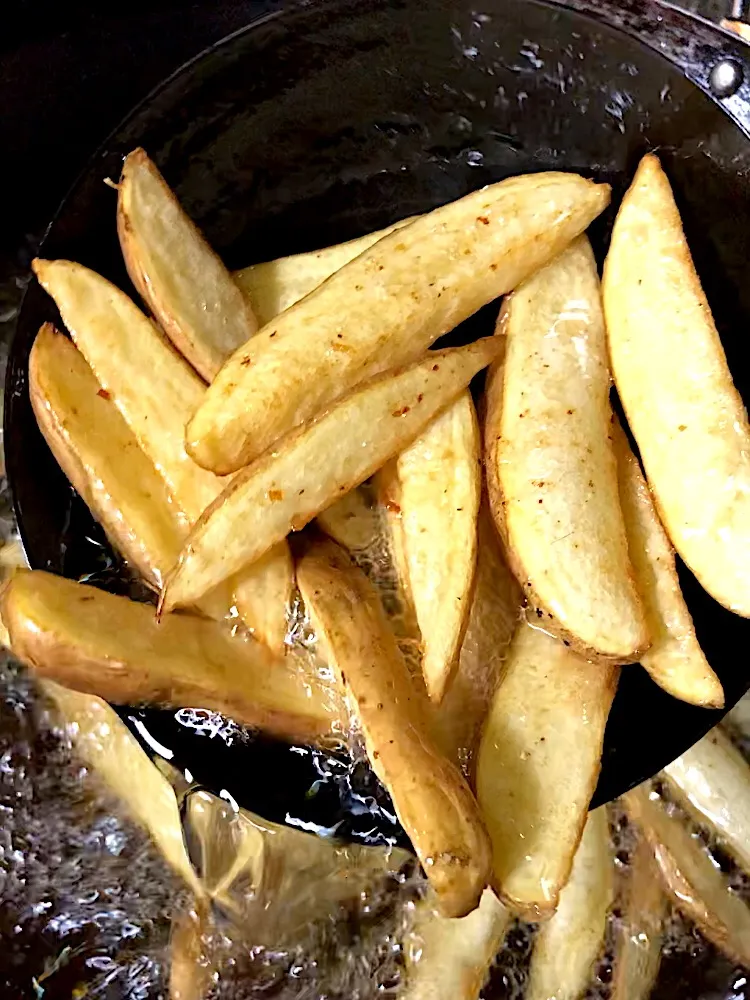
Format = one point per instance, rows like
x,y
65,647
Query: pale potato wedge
x,y
570,941
352,521
550,465
99,454
385,308
287,487
675,660
278,284
713,780
538,765
671,373
156,392
191,969
430,796
694,884
640,930
450,959
105,744
114,648
437,483
184,283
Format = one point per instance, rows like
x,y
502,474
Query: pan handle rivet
x,y
725,78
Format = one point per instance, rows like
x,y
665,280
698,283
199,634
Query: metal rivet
x,y
725,78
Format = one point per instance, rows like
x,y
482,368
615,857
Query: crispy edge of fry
x,y
430,795
200,344
641,929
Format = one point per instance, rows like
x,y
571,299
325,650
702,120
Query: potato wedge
x,y
538,764
184,283
451,958
352,521
672,376
436,486
570,941
99,454
278,284
156,392
641,929
287,487
550,465
695,885
431,797
191,969
114,648
105,745
713,780
675,660
385,308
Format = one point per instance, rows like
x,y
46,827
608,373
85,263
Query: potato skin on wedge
x,y
550,464
672,376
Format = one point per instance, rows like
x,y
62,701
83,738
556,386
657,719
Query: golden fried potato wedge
x,y
287,487
451,957
431,797
278,284
570,941
538,764
550,465
713,780
352,521
99,454
672,376
385,308
191,969
114,648
156,392
640,930
437,484
184,283
675,660
695,885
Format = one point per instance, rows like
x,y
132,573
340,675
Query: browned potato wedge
x,y
451,958
287,487
109,646
570,941
550,464
538,764
641,929
99,454
385,308
713,780
433,491
156,392
672,376
675,659
276,285
186,286
695,885
431,797
191,968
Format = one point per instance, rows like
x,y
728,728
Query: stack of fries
x,y
222,443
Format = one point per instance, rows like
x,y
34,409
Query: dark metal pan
x,y
323,121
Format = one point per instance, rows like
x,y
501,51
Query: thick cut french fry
x,y
99,454
675,660
156,391
431,797
287,487
672,376
570,941
641,929
433,493
538,764
452,957
713,781
550,465
695,885
352,521
278,284
184,283
114,648
385,308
